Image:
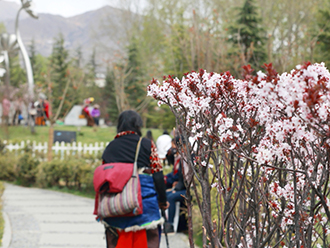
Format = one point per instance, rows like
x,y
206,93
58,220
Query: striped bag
x,y
118,189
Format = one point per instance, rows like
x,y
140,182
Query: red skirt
x,y
142,239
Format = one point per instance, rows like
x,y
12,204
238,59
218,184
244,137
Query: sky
x,y
68,8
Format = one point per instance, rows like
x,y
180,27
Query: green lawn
x,y
84,134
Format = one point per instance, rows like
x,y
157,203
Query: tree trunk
x,y
50,142
189,213
5,128
32,124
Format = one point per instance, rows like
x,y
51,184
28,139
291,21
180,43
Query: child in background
x,y
96,114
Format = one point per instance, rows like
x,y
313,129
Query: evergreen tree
x,y
32,53
323,37
92,65
125,84
247,36
59,62
39,66
91,70
135,87
109,98
78,59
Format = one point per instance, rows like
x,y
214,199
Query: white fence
x,y
61,149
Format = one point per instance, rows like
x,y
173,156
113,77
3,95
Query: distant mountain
x,y
8,10
101,29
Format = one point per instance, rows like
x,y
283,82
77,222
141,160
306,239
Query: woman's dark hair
x,y
129,120
149,135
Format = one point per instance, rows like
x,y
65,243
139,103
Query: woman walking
x,y
141,230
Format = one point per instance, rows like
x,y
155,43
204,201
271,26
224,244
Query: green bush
x,y
2,223
50,173
27,169
8,164
73,173
2,146
81,172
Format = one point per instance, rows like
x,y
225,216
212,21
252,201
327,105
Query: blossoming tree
x,y
261,144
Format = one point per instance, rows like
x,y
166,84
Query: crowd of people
x,y
37,112
174,181
14,112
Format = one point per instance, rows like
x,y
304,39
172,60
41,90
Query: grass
x,y
2,223
84,134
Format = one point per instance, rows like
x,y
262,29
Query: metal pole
x,y
26,58
166,237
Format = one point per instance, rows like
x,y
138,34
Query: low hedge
x,y
73,172
2,222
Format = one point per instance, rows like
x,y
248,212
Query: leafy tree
x,y
17,73
126,79
2,28
160,117
247,36
291,29
177,64
83,77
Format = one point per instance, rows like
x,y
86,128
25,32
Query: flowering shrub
x,y
263,144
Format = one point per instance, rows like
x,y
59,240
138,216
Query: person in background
x,y
45,108
96,114
163,144
40,117
178,187
171,153
32,113
5,110
142,230
173,158
149,135
18,111
85,112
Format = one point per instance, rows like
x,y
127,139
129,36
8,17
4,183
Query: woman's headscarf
x,y
129,120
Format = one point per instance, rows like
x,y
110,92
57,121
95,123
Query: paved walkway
x,y
39,218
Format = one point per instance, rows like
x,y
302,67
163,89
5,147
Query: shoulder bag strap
x,y
136,157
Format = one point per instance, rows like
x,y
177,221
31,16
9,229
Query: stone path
x,y
39,218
